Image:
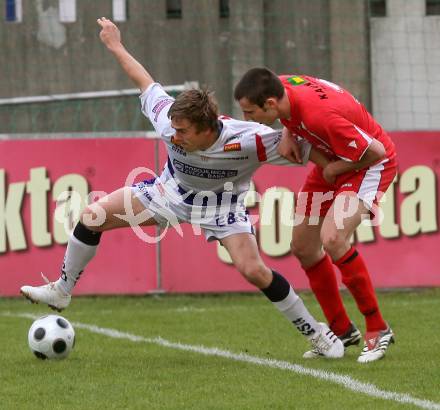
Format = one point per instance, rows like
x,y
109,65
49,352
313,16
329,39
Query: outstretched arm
x,y
111,37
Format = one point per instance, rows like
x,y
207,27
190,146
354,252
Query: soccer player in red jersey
x,y
363,167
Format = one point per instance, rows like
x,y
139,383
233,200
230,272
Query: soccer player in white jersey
x,y
210,163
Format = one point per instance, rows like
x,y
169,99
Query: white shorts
x,y
168,206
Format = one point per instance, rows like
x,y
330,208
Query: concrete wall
x,y
297,37
43,56
350,48
405,66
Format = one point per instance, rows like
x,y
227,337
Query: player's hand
x,y
330,173
289,147
110,34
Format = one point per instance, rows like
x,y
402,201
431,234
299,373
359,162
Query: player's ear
x,y
271,102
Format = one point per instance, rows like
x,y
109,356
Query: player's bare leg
x,y
243,250
306,242
307,247
337,229
83,243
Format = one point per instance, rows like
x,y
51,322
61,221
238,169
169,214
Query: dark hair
x,y
257,85
196,106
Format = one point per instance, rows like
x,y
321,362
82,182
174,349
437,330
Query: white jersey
x,y
240,149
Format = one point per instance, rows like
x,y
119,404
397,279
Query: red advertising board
x,y
31,241
402,252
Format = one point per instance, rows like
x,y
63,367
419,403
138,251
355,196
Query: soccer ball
x,y
51,337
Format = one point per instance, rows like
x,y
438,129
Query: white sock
x,y
293,308
77,256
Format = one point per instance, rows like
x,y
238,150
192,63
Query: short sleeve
x,y
348,141
155,104
267,149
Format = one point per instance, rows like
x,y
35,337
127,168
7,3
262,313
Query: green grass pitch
x,y
108,373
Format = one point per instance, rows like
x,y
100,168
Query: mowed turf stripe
x,y
342,380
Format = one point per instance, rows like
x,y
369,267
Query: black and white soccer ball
x,y
51,337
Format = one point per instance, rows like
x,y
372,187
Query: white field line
x,y
342,380
189,309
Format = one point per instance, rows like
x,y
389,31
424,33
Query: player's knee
x,y
256,272
333,241
91,220
302,250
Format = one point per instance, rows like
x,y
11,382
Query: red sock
x,y
357,279
322,278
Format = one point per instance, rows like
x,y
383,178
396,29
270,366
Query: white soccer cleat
x,y
312,354
49,294
351,337
375,345
325,344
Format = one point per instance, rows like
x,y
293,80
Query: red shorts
x,y
317,196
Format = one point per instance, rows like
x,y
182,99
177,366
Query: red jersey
x,y
331,119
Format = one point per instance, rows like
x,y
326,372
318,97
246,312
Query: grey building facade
x,y
209,41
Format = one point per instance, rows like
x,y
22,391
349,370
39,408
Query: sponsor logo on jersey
x,y
160,106
236,146
204,172
296,80
206,159
235,158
